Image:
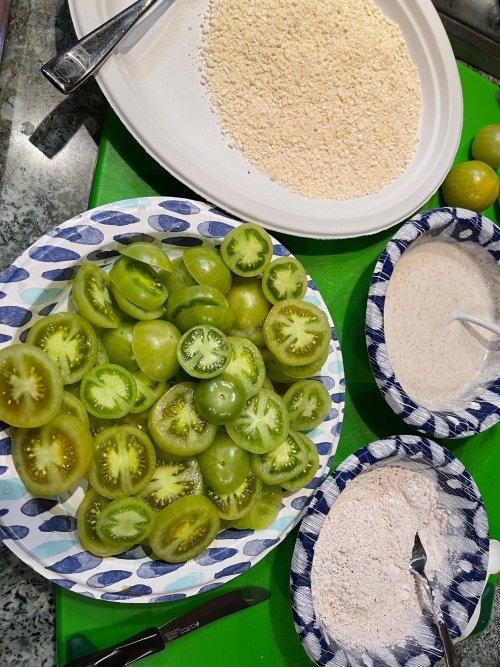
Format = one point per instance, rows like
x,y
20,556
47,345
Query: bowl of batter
x,y
439,374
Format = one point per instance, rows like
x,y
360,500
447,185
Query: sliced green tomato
x,y
108,391
91,292
274,369
203,351
248,302
284,278
31,386
207,267
148,253
176,426
297,332
310,469
52,458
255,335
184,529
134,311
154,345
193,295
69,340
224,465
264,512
72,405
282,463
262,425
139,283
246,363
306,370
86,519
308,403
118,345
139,419
247,249
124,461
220,399
239,502
124,521
148,392
221,317
102,355
172,480
179,277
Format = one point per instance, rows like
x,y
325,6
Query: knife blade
x,y
153,639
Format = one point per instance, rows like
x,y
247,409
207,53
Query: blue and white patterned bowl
x,y
474,416
458,596
42,531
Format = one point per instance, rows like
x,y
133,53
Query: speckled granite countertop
x,y
48,146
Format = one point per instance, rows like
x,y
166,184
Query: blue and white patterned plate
x,y
478,414
42,532
457,596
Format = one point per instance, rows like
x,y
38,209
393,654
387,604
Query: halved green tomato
x,y
219,400
172,480
282,463
124,461
239,502
86,519
31,386
91,292
175,424
310,469
247,249
297,332
52,458
124,521
224,465
308,403
221,317
193,295
134,311
248,302
184,529
265,510
254,335
155,348
246,363
118,345
305,371
72,405
108,391
207,267
148,392
284,278
138,282
102,355
203,351
69,340
149,253
178,277
262,425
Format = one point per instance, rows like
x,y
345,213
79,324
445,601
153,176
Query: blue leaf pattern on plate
x,y
3,469
135,591
53,253
256,547
4,338
181,207
4,446
4,511
60,524
156,569
233,534
80,562
83,234
36,506
13,532
35,296
14,316
170,598
214,555
167,223
233,570
64,583
47,309
214,229
14,274
133,237
114,218
183,241
60,274
108,578
100,255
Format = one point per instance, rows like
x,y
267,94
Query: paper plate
x,y
153,83
42,531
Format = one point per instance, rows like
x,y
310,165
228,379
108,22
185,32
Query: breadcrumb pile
x,y
320,95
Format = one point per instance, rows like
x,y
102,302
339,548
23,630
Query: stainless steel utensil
x,y
70,69
417,566
154,640
491,326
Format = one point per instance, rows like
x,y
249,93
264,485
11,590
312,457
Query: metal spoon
x,y
491,326
417,566
70,69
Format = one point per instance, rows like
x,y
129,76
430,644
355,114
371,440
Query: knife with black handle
x,y
154,640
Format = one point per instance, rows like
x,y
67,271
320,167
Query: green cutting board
x,y
264,635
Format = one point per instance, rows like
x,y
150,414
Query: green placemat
x,y
264,635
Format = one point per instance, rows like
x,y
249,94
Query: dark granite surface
x,y
47,154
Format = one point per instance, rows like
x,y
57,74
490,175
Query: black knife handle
x,y
124,653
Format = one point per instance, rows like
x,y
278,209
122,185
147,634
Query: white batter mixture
x,y
436,360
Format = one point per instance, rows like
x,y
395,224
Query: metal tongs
x,y
417,566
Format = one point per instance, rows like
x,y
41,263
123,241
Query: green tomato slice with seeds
x,y
207,267
148,253
282,463
138,282
247,249
148,392
172,480
124,521
124,461
130,308
246,363
91,292
86,519
284,278
262,425
265,510
108,391
307,474
239,502
308,403
72,405
69,340
203,351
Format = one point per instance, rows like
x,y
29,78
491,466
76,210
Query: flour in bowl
x,y
320,95
363,592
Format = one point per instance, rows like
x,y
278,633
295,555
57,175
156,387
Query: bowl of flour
x,y
440,375
354,599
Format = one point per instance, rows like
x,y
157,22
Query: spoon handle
x,y
450,654
70,69
491,326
